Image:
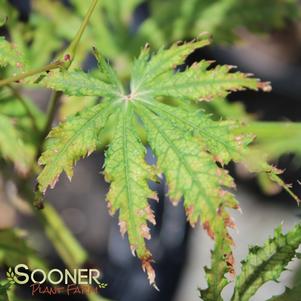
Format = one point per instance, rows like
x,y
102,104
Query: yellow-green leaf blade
x,y
189,169
147,68
77,83
127,171
218,136
199,83
70,141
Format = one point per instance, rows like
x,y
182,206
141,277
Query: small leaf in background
x,y
175,19
11,56
266,263
20,122
12,146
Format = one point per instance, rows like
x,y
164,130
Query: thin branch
x,y
52,107
21,76
71,50
51,112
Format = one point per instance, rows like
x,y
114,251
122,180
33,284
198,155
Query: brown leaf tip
x,y
230,261
229,222
150,215
208,229
264,86
144,231
133,249
123,227
151,275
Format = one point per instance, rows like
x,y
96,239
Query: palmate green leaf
x,y
266,263
127,171
187,143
